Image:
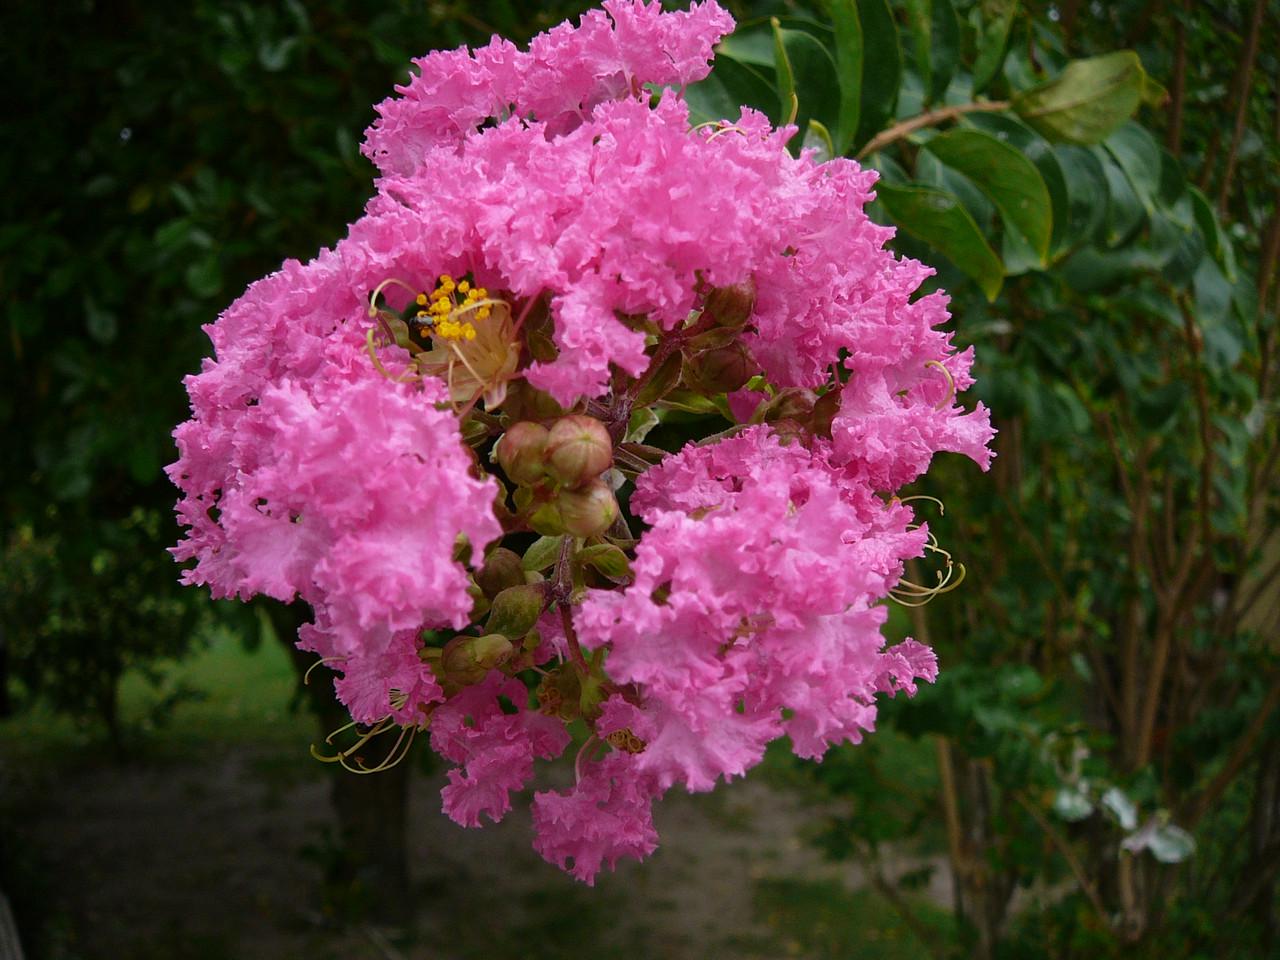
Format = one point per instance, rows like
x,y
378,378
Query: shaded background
x,y
156,793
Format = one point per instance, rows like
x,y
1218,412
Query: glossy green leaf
x,y
993,40
1087,101
881,68
942,222
944,50
818,137
1007,128
1138,155
1216,241
784,74
731,85
806,77
1087,193
1126,213
848,53
1005,176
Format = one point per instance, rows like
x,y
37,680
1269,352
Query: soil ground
x,y
213,841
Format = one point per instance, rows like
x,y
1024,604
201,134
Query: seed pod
x,y
522,452
733,305
588,511
502,568
578,450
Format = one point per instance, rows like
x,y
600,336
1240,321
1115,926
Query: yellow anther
x,y
470,331
445,279
421,314
464,286
421,299
483,313
481,293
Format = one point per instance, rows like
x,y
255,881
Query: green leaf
x,y
1007,128
1215,238
944,54
788,101
1006,176
1087,101
993,40
543,553
608,559
1138,155
1087,193
818,137
848,48
1125,211
805,72
881,68
940,221
733,84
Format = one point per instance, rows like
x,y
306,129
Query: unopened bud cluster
x,y
560,470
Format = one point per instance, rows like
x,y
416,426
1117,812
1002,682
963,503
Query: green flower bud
x,y
578,450
502,568
522,452
546,520
467,660
515,610
733,305
588,511
721,370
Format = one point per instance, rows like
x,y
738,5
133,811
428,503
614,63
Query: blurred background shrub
x,y
1098,767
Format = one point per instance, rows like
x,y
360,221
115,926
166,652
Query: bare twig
x,y
1239,755
931,119
1243,78
1064,847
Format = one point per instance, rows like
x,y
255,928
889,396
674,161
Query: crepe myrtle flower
x,y
427,434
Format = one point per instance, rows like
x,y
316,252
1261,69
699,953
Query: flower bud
x,y
793,403
588,511
522,452
515,610
721,370
467,660
732,306
502,568
824,413
578,450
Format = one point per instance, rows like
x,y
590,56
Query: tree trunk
x,y
371,809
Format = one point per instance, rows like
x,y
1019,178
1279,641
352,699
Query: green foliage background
x,y
1109,666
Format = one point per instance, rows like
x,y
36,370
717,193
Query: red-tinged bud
x,y
721,370
824,413
733,305
589,511
522,452
502,568
793,403
578,450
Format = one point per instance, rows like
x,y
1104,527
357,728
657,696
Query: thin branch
x,y
1244,746
904,129
1243,78
1178,93
1064,847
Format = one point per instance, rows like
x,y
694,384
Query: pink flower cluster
x,y
754,604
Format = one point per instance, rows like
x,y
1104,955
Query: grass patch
x,y
825,921
223,693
